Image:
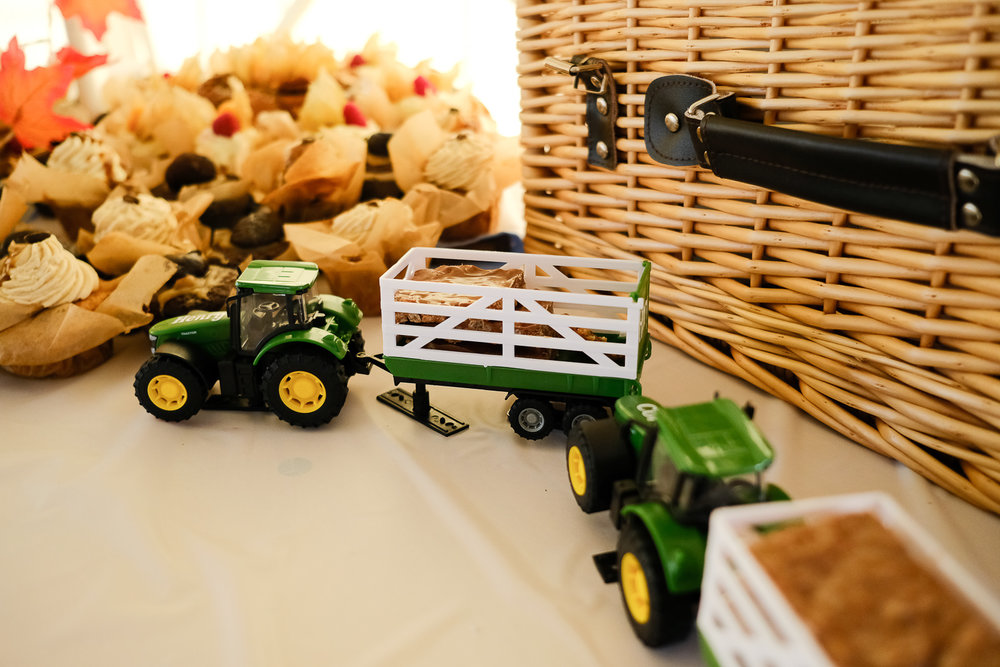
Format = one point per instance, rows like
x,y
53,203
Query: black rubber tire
x,y
601,459
577,413
531,418
670,617
323,370
188,390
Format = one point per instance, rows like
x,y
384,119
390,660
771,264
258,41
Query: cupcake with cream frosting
x,y
83,153
79,173
463,165
41,272
57,318
460,162
141,216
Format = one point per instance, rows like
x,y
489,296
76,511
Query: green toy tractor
x,y
276,346
661,471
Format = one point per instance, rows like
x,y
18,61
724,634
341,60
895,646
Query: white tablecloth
x,y
234,539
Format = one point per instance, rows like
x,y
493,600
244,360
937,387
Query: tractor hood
x,y
716,439
197,327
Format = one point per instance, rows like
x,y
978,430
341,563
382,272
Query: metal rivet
x,y
596,81
602,106
698,132
704,155
971,215
673,124
968,182
602,149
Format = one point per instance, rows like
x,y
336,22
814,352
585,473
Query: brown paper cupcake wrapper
x,y
64,332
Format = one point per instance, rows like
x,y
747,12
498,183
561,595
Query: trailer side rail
x,y
558,323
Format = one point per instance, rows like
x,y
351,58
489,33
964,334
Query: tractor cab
x,y
270,299
702,457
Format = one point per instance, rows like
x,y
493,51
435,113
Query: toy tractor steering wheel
x,y
266,308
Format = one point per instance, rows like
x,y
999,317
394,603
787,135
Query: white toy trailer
x,y
567,344
743,619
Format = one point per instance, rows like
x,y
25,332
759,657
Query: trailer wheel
x,y
169,389
305,389
531,418
657,616
597,457
578,413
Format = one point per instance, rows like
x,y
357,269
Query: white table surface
x,y
234,539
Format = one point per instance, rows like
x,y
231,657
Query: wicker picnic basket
x,y
887,331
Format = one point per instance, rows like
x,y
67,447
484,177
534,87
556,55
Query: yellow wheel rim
x,y
167,392
577,471
302,391
635,588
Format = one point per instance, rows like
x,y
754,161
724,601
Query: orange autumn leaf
x,y
94,13
27,97
80,63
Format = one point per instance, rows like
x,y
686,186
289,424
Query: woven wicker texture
x,y
888,332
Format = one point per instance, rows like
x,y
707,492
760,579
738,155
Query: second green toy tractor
x,y
661,471
276,346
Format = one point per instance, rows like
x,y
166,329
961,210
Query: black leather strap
x,y
906,182
602,113
931,186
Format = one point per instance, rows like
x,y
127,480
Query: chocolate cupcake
x,y
189,169
193,292
261,233
380,182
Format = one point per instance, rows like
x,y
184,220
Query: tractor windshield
x,y
696,496
263,315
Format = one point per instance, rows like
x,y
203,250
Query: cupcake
x,y
460,163
39,272
141,216
79,172
38,275
324,176
227,143
128,227
452,174
380,181
260,233
83,153
64,317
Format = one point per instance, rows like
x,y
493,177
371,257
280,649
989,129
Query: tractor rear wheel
x,y
305,389
596,458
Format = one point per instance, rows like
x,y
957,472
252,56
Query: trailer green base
x,y
512,380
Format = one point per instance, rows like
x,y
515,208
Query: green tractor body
x,y
275,346
661,471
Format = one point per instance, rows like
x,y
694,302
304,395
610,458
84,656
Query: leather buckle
x,y
602,105
669,130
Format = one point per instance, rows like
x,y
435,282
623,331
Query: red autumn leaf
x,y
94,13
27,96
80,63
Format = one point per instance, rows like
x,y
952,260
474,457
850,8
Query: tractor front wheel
x,y
305,389
657,616
169,389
